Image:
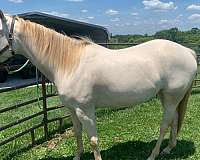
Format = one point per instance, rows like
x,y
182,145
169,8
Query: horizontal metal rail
x,y
58,118
28,118
56,107
19,105
20,134
25,103
30,130
21,120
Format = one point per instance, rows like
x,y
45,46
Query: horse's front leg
x,y
86,116
78,133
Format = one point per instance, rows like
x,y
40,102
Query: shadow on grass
x,y
137,150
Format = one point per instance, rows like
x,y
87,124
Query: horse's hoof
x,y
165,151
77,158
151,157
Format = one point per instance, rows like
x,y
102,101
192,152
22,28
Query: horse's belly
x,y
105,97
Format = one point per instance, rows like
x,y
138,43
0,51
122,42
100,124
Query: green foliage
x,y
172,34
189,38
131,38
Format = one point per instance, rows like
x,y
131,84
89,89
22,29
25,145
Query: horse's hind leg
x,y
78,133
177,121
173,135
170,104
86,116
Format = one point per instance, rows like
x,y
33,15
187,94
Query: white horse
x,y
88,76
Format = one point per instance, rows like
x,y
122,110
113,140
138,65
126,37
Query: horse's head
x,y
5,52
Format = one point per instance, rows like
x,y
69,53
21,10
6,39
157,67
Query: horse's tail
x,y
182,106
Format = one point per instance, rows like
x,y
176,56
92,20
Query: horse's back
x,y
140,72
167,55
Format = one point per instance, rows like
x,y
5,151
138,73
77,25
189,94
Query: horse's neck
x,y
26,49
53,53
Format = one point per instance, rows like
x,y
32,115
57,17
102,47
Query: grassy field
x,y
198,75
128,134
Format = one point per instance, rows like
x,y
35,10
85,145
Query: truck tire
x,y
3,76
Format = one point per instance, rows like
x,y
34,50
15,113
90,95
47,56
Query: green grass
x,y
18,96
197,83
124,134
198,72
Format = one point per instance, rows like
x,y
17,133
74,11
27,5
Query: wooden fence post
x,y
45,118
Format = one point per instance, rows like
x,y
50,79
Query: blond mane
x,y
60,51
